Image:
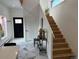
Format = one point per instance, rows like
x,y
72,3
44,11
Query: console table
x,y
40,41
40,44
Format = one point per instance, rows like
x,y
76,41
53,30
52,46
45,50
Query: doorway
x,y
18,27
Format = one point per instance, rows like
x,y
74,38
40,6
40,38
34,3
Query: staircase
x,y
61,49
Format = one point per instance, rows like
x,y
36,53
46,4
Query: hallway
x,y
27,50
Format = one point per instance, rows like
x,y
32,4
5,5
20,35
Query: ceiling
x,y
11,3
29,5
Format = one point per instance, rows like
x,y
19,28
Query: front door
x,y
18,27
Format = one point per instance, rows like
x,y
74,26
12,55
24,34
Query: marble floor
x,y
27,50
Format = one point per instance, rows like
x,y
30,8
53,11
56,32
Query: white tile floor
x,y
27,50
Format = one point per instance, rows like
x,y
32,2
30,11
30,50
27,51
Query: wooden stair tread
x,y
57,31
55,41
60,49
63,55
59,38
57,51
60,43
58,35
53,25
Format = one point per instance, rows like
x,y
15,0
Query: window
x,y
54,3
3,23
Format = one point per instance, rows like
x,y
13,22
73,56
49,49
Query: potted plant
x,y
47,11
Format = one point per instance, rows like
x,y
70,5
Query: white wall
x,y
49,33
44,4
14,12
31,23
31,16
66,16
4,11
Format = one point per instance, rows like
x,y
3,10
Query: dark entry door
x,y
18,27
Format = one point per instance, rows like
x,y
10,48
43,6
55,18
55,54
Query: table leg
x,y
34,42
